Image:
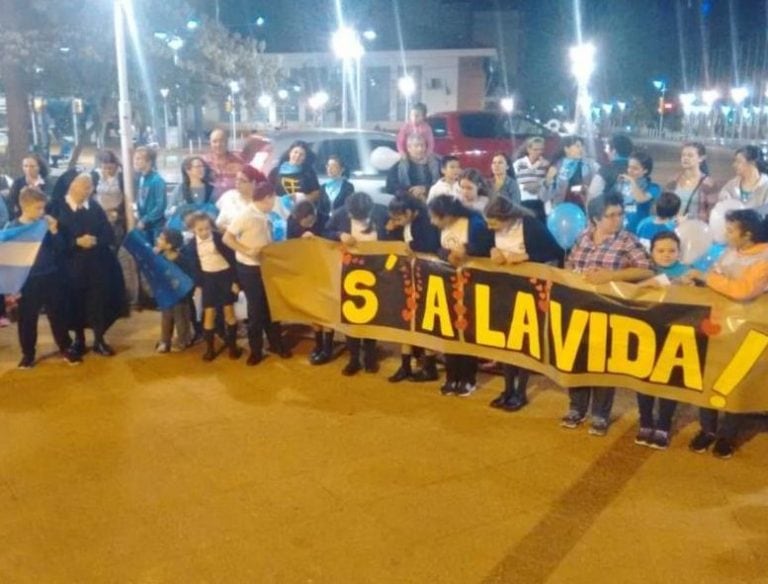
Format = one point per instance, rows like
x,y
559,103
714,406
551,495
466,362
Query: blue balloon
x,y
566,222
708,260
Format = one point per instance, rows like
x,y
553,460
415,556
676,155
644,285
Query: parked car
x,y
474,136
353,146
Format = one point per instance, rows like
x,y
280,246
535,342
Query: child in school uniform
x,y
214,266
409,222
247,235
450,168
359,220
169,244
663,218
665,253
43,288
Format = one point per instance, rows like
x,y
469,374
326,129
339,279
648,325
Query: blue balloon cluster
x,y
566,222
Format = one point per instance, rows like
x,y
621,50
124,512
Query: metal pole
x,y
661,112
165,120
124,111
34,122
75,128
344,93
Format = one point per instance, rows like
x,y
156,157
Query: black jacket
x,y
347,190
426,237
540,246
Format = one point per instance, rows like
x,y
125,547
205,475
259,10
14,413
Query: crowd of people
x,y
215,223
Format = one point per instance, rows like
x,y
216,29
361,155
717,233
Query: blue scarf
x,y
288,168
333,188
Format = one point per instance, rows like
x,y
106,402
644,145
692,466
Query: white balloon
x,y
695,240
717,217
383,158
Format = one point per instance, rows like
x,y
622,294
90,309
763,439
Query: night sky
x,y
638,40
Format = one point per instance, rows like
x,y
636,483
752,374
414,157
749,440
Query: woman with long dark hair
x,y
295,178
518,237
504,183
474,189
463,233
570,175
194,193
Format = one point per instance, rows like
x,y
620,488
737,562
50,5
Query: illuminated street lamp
x,y
175,44
407,86
265,101
507,104
346,45
317,102
661,87
582,58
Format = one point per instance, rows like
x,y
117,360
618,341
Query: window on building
x,y
378,86
483,126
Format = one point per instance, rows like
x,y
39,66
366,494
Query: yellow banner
x,y
684,343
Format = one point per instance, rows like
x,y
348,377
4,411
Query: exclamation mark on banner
x,y
752,347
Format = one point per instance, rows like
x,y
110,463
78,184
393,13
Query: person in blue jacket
x,y
151,198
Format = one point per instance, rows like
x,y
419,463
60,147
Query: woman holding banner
x,y
518,237
604,253
463,233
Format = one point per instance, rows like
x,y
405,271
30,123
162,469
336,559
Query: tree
x,y
58,48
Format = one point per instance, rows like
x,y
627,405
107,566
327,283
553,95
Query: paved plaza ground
x,y
150,468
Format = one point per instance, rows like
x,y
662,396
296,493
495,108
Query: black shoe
x,y
465,389
514,403
351,368
103,349
723,448
254,359
498,401
371,366
701,442
71,357
27,362
448,388
320,358
235,352
79,348
426,374
209,354
400,375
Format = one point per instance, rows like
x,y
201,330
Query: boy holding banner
x,y
43,287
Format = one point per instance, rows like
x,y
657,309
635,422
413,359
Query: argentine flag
x,y
18,250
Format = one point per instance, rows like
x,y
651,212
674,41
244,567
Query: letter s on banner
x,y
365,305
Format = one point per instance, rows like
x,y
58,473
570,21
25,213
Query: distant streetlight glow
x,y
346,44
192,25
739,94
582,58
370,35
686,100
260,21
710,96
407,86
265,100
508,104
318,100
282,94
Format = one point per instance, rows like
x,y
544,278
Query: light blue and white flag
x,y
18,250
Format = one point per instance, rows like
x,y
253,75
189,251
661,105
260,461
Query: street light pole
x,y
124,111
164,92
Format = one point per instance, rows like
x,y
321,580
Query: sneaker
x,y
27,362
723,448
71,357
465,389
701,442
162,347
660,440
448,388
598,427
644,437
572,419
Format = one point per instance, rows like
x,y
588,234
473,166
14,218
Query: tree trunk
x,y
17,109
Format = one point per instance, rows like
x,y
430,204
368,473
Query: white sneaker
x,y
162,347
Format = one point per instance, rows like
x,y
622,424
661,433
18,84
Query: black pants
x,y
259,319
537,207
42,292
728,428
667,409
460,369
601,398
